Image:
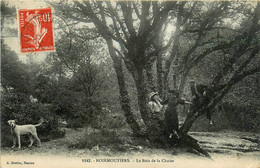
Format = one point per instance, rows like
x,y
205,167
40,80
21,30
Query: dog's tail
x,y
40,123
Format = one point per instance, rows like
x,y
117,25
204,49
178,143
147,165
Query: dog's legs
x,y
39,141
14,141
19,141
31,139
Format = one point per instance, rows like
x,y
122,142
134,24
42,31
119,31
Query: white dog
x,y
18,130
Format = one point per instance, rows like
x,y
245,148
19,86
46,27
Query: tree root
x,y
189,141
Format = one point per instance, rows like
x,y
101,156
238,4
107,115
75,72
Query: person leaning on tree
x,y
154,103
155,106
171,115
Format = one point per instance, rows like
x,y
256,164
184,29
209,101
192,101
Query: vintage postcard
x,y
88,84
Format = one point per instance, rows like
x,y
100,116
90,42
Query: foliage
x,y
14,75
107,120
101,138
6,10
17,83
17,106
7,15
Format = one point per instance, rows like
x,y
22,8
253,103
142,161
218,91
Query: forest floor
x,y
227,148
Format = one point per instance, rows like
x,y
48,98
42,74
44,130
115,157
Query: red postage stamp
x,y
36,30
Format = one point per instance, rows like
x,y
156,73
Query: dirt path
x,y
53,147
220,144
232,143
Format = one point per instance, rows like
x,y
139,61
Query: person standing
x,y
171,115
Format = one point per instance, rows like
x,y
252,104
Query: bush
x,y
106,119
17,106
100,138
77,111
230,116
81,116
75,122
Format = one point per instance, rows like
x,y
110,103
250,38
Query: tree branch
x,y
242,49
128,18
195,61
115,15
136,10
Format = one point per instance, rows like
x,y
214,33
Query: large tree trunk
x,y
138,75
193,143
150,78
182,83
159,69
190,119
124,97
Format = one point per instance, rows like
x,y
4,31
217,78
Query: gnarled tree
x,y
138,35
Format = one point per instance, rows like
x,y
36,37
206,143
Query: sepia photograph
x,y
130,83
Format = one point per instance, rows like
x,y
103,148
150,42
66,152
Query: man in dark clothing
x,y
171,116
200,97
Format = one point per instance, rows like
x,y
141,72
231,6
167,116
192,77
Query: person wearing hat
x,y
155,106
154,103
